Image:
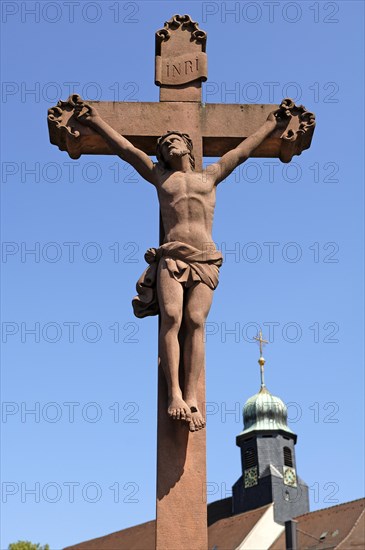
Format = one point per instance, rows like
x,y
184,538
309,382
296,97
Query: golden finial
x,y
261,360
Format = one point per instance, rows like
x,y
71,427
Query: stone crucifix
x,y
183,270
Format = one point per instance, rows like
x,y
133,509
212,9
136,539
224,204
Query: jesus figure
x,y
183,271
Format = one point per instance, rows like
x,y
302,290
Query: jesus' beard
x,y
178,153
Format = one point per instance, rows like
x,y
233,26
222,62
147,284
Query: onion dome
x,y
264,411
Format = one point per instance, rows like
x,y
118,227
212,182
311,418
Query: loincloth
x,y
186,264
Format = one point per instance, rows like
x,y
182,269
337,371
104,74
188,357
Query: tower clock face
x,y
251,477
290,477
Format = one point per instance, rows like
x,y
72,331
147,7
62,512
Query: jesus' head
x,y
174,143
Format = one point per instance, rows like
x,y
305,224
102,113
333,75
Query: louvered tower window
x,y
250,458
288,459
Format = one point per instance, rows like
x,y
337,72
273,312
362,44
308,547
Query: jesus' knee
x,y
171,320
194,320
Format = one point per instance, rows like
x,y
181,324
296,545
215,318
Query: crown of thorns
x,y
187,141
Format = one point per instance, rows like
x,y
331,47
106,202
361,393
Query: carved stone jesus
x,y
183,272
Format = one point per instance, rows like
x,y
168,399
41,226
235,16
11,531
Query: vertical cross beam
x,y
181,509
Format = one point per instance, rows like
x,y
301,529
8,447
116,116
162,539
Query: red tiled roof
x,y
343,525
356,537
139,537
228,533
225,534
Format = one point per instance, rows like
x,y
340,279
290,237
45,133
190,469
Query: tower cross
x,y
215,129
261,341
261,360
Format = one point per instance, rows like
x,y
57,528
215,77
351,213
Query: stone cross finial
x,y
181,61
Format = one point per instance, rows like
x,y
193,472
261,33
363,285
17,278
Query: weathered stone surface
x,y
214,128
181,510
181,61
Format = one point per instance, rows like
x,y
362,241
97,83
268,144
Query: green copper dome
x,y
263,411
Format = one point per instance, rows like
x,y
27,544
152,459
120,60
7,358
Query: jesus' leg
x,y
197,305
170,299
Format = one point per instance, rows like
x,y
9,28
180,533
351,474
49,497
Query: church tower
x,y
269,472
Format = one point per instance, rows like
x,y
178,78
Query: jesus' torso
x,y
187,201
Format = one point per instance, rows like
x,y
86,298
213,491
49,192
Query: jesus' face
x,y
173,145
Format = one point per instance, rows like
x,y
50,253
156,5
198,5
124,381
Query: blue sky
x,y
88,370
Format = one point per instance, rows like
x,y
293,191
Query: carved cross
x,y
180,69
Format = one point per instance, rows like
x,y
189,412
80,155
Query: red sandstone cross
x,y
181,66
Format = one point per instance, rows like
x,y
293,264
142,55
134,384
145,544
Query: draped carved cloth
x,y
186,264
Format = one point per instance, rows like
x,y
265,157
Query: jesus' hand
x,y
280,117
86,114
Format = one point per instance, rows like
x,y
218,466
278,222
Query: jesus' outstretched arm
x,y
121,146
228,162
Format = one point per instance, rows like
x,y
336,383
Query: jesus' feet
x,y
179,410
197,421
